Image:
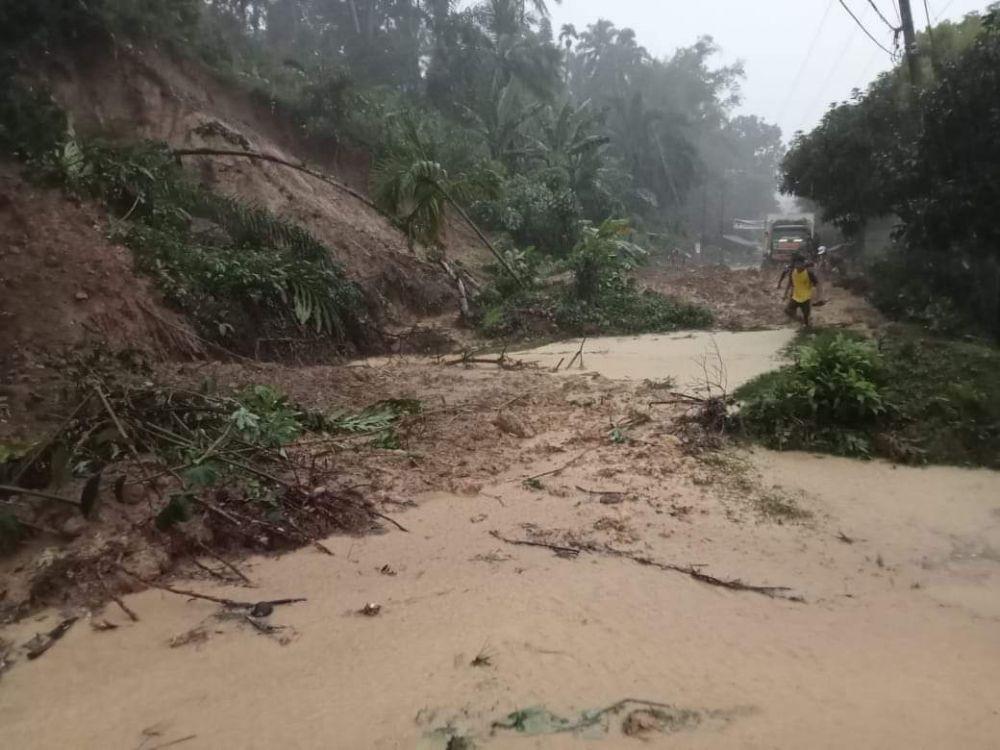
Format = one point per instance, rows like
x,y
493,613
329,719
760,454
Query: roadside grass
x,y
906,396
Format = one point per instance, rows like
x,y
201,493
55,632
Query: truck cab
x,y
786,236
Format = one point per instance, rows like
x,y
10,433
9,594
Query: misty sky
x,y
772,38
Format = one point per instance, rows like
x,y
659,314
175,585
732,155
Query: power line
x,y
862,27
895,9
943,10
822,88
882,16
930,36
802,68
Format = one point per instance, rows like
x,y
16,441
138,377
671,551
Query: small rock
x,y
262,609
81,296
73,527
511,425
370,609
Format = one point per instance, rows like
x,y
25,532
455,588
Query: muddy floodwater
x,y
687,358
884,634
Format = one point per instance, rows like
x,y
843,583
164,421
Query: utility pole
x,y
910,41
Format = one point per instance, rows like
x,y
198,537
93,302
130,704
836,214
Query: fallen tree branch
x,y
579,353
37,493
301,167
773,592
208,551
117,599
228,603
558,469
561,551
44,445
42,643
734,584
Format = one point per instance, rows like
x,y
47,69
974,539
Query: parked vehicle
x,y
788,235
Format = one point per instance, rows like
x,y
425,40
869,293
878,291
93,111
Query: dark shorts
x,y
794,306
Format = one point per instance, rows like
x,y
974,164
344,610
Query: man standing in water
x,y
803,285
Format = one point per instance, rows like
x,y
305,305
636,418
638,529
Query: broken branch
x,y
561,551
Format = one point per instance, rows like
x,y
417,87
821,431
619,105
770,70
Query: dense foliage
x,y
830,397
601,296
583,125
476,110
239,272
906,397
929,155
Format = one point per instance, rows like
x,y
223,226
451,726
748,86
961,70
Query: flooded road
x,y
685,357
893,646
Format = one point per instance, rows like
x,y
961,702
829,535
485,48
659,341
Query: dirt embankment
x,y
147,94
66,286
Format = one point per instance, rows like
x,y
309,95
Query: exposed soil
x,y
879,631
150,94
65,286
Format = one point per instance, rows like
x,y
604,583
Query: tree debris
x,y
561,551
774,592
44,641
255,607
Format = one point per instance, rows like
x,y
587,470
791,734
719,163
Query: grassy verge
x,y
907,396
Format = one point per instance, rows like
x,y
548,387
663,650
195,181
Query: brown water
x,y
895,646
688,358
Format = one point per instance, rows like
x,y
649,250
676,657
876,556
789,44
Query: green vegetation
x,y
229,447
479,111
239,272
928,154
907,397
601,298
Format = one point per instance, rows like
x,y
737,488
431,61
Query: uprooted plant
x,y
224,459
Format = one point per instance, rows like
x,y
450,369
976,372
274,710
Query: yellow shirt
x,y
802,285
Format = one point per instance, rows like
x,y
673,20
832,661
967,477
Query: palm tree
x,y
411,185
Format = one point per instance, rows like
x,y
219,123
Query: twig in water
x,y
561,551
117,599
556,470
205,548
579,353
229,603
774,592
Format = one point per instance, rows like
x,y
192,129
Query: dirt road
x,y
880,631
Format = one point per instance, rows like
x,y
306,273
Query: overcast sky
x,y
790,78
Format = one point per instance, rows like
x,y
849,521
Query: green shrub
x,y
240,272
831,397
